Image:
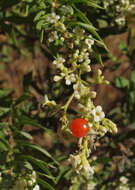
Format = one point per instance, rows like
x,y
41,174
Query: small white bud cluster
x,y
52,18
24,184
123,184
91,185
120,8
80,163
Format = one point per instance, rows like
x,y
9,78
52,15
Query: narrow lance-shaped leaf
x,y
45,184
40,149
41,164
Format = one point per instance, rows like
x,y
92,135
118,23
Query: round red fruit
x,y
79,127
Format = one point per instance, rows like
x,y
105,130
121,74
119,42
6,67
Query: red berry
x,y
79,127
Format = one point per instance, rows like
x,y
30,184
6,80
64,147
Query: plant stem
x,y
67,104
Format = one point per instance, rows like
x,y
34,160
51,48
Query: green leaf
x,y
4,111
5,93
103,187
104,160
61,173
124,48
42,36
13,36
121,82
40,24
48,176
132,97
45,184
23,97
37,17
91,29
88,2
87,26
26,135
133,76
41,164
132,126
40,149
98,56
82,16
3,147
23,119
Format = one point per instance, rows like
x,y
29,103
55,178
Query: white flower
x,y
48,102
90,124
62,26
59,62
85,66
98,113
89,171
30,182
103,131
89,41
70,79
57,78
121,187
20,185
62,39
93,94
126,3
75,55
94,158
36,187
79,31
123,179
79,90
53,18
53,36
82,109
91,185
106,4
99,72
84,56
120,20
33,176
75,160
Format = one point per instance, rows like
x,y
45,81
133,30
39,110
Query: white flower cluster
x,y
123,184
53,36
79,59
123,179
23,184
120,8
80,163
73,62
91,185
79,90
52,18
